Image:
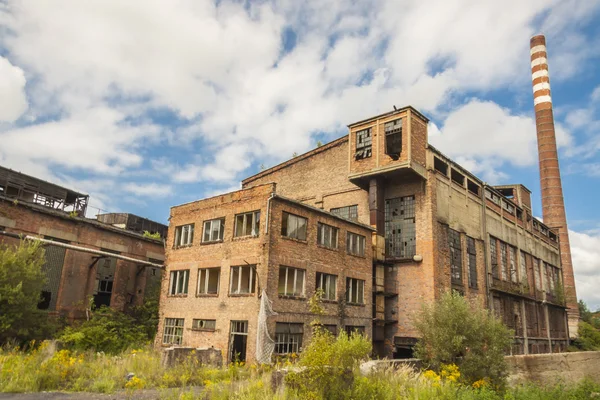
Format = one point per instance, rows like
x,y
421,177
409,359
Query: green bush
x,y
588,338
21,282
155,235
455,331
107,330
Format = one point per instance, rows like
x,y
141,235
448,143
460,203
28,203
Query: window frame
x,y
286,270
324,283
360,329
403,245
472,262
212,322
356,240
286,226
333,234
360,288
288,340
175,280
393,133
254,223
175,327
364,143
251,280
179,230
207,274
346,212
221,232
456,264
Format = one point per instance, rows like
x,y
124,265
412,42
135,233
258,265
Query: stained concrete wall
x,y
553,368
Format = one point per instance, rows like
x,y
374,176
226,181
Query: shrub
x,y
21,282
588,338
155,235
455,331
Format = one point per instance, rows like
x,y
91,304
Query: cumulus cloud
x,y
13,101
148,190
585,250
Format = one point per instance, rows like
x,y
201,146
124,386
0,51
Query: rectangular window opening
x,y
204,325
288,337
213,230
455,256
179,282
363,144
291,281
348,212
440,166
355,291
173,332
208,280
393,138
293,226
400,230
457,177
328,284
473,187
242,279
355,244
247,224
184,235
327,236
472,252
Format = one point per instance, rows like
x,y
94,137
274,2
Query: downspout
x,y
486,243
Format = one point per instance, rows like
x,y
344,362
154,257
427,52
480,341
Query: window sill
x,y
327,248
207,295
294,240
238,238
356,255
177,295
185,246
211,242
329,301
170,345
356,304
242,294
291,297
400,259
203,330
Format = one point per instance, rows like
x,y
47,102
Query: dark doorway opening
x,y
238,341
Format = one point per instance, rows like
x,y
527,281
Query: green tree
x,y
584,312
21,282
455,331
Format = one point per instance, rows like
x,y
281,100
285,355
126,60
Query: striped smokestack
x,y
553,206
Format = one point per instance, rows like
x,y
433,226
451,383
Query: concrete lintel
x,y
56,233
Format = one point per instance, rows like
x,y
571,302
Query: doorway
x,y
238,340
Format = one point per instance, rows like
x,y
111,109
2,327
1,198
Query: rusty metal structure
x,y
133,223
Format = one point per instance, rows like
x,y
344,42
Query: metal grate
x,y
400,232
55,259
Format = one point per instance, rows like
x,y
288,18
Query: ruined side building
x,y
108,258
382,222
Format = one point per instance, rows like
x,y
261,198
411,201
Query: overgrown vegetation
x,y
21,282
155,235
589,330
456,331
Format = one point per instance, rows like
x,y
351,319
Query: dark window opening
x,y
440,166
457,177
288,337
393,138
238,340
45,299
105,275
519,215
400,231
293,226
509,193
354,329
472,253
363,144
494,257
455,256
473,187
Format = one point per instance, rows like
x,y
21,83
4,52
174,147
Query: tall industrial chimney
x,y
553,206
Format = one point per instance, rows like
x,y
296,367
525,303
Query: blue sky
x,y
148,104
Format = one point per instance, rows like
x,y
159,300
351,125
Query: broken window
x,y
523,269
537,273
105,276
508,207
494,258
184,235
355,244
473,187
520,214
293,226
208,280
503,261
472,253
242,280
327,235
509,193
393,138
455,256
363,144
440,166
173,332
513,264
213,230
348,212
291,281
354,329
328,284
179,282
204,324
400,232
288,337
355,291
53,266
247,224
492,196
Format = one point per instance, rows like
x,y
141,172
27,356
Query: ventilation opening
x,y
440,166
473,187
457,177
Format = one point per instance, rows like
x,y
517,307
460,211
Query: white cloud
x,y
585,250
13,101
148,190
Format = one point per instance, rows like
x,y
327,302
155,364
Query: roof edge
x,y
389,113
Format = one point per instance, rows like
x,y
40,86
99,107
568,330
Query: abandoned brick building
x,y
435,227
111,260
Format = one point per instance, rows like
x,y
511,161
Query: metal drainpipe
x,y
268,212
486,243
82,249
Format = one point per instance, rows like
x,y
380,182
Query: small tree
x,y
455,331
21,282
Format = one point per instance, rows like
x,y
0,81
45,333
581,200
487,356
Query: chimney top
x,y
538,40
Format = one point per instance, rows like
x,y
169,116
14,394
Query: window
x,y
184,235
508,207
492,196
393,138
208,280
355,244
472,254
242,280
327,235
328,284
545,272
332,329
179,282
173,333
247,224
291,281
513,264
293,226
440,166
400,233
455,256
213,230
348,212
288,337
503,261
494,257
363,144
355,290
457,177
350,329
523,270
537,274
473,187
204,324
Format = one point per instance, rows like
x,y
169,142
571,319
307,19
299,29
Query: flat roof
x,y
390,113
